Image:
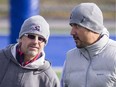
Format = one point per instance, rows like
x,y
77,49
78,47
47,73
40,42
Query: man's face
x,y
82,36
32,44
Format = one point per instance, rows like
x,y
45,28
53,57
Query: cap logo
x,y
83,19
71,16
37,28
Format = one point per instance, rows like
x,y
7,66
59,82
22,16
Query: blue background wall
x,y
56,48
18,12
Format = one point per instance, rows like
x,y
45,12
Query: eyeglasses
x,y
31,36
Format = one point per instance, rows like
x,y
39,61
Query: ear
x,y
19,43
19,40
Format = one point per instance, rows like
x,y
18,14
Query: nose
x,y
72,31
35,40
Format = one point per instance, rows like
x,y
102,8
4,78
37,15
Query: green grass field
x,y
58,74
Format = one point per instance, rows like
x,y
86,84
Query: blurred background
x,y
57,13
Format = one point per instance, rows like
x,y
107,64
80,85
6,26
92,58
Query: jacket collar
x,y
95,48
33,65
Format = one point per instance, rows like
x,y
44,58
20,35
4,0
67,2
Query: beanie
x,y
35,25
88,15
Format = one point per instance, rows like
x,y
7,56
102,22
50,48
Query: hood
x,y
10,53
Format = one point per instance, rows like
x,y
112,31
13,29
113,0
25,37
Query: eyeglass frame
x,y
40,38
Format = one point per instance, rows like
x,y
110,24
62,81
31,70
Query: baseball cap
x,y
35,25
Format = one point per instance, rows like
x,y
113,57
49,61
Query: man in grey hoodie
x,y
23,64
92,63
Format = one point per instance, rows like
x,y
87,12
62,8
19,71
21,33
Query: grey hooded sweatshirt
x,y
35,74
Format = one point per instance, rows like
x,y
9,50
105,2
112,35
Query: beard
x,y
31,53
32,50
79,42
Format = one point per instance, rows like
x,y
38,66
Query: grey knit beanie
x,y
36,25
88,15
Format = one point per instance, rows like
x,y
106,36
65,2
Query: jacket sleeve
x,y
115,74
56,83
114,77
53,78
3,65
63,77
